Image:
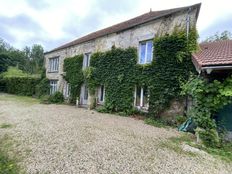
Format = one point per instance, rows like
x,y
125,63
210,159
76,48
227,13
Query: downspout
x,y
187,35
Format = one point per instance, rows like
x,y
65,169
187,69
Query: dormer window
x,y
86,60
145,52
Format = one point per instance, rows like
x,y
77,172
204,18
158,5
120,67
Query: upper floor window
x,y
145,52
86,60
54,64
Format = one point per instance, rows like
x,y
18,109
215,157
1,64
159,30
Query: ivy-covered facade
x,y
139,63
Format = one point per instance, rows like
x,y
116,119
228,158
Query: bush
x,y
21,85
2,85
57,97
209,137
42,88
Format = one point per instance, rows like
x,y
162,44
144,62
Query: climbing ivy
x,y
208,98
74,75
118,70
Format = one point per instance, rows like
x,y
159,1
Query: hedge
x,y
21,85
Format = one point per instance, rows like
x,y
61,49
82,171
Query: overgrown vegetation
x,y
30,59
8,165
5,125
57,97
119,72
208,98
224,152
74,75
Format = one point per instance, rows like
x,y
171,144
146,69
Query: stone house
x,y
137,32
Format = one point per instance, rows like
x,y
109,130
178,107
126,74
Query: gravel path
x,y
65,139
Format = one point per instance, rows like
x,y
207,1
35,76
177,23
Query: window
x,y
145,52
86,60
101,94
86,93
54,64
53,86
141,97
66,90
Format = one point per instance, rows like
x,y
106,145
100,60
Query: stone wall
x,y
124,39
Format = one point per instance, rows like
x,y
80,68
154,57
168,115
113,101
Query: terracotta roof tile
x,y
214,54
147,17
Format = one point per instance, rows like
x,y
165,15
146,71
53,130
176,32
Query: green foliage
x,y
29,59
172,66
208,98
225,35
116,69
42,88
155,122
21,85
57,97
5,125
15,72
209,137
8,165
74,75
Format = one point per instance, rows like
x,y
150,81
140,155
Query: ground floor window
x,y
101,94
141,97
53,86
84,95
66,90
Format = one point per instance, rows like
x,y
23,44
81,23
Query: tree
x,y
29,59
225,35
37,58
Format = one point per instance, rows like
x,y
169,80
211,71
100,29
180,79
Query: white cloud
x,y
54,17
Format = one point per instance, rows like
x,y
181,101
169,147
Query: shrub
x,y
180,119
21,85
57,97
209,137
42,88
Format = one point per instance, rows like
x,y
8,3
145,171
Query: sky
x,y
52,23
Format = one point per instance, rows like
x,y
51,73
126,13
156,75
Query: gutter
x,y
209,69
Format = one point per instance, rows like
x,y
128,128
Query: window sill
x,y
53,71
144,109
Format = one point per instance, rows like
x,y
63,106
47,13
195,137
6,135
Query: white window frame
x,y
53,64
146,50
99,101
66,90
86,60
53,86
141,99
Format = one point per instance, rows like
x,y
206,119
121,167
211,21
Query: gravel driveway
x,y
65,139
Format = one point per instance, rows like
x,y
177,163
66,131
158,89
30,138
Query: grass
x,y
224,152
155,122
175,143
17,98
8,165
5,125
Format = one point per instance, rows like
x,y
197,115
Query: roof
x,y
147,17
214,54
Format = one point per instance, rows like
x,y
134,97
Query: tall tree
x,y
225,35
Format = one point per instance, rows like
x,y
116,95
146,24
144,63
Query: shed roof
x,y
214,54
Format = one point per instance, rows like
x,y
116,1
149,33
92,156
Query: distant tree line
x,y
225,35
30,59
